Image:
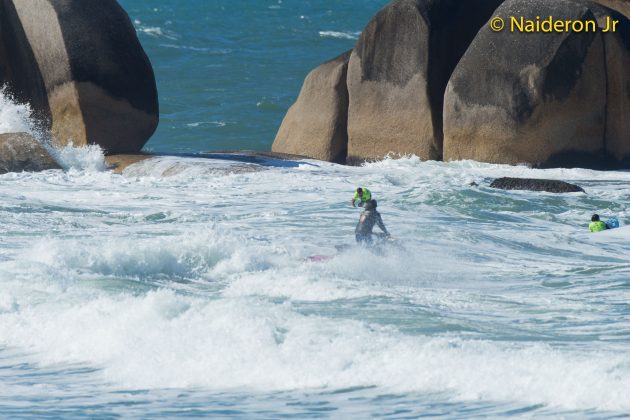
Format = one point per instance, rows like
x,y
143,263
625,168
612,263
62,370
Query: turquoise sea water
x,y
227,71
184,288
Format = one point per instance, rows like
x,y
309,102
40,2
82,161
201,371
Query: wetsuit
x,y
368,219
367,196
597,226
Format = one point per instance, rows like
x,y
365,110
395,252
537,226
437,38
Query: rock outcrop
x,y
547,185
316,125
431,78
398,72
622,6
547,99
617,65
81,67
21,152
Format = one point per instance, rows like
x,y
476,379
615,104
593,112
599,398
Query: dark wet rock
x,y
316,125
543,99
81,67
399,70
547,185
20,152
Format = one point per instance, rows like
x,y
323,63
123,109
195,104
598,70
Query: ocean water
x,y
184,288
228,70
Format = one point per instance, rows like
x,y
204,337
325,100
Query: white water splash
x,y
14,117
88,158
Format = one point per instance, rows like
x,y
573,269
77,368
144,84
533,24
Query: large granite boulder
x,y
398,72
617,64
622,6
21,152
547,99
81,67
316,125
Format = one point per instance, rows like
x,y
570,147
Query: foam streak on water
x,y
497,301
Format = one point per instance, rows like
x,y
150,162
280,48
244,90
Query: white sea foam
x,y
210,123
84,158
339,35
14,117
200,280
164,340
209,50
166,166
156,31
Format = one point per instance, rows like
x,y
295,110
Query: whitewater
x,y
184,287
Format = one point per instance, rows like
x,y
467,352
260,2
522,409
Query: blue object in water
x,y
612,223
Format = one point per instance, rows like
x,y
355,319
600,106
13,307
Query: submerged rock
x,y
80,66
216,162
21,152
546,185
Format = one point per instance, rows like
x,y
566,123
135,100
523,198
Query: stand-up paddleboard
x,y
319,258
377,247
324,258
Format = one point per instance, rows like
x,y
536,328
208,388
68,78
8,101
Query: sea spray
x,y
14,116
85,158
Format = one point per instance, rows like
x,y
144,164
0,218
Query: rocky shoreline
x,y
21,152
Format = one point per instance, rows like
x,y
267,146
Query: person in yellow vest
x,y
597,225
362,195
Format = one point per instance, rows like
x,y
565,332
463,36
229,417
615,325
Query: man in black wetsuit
x,y
369,217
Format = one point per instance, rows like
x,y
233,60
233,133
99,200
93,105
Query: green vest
x,y
367,196
597,226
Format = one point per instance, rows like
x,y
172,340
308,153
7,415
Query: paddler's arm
x,y
354,198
